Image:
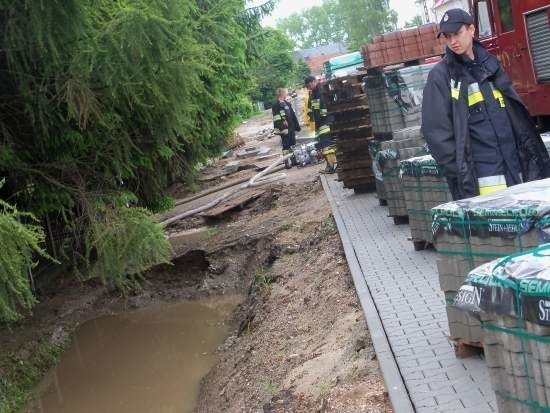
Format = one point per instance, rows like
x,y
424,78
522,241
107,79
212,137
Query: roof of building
x,y
328,49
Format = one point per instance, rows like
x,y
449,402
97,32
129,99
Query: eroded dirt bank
x,y
302,344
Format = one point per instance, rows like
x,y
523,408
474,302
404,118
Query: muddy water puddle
x,y
145,361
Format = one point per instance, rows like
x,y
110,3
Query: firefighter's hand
x,y
298,128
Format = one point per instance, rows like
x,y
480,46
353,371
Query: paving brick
x,y
468,398
450,406
465,385
482,408
426,409
443,398
422,400
413,375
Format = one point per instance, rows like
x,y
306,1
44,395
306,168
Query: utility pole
x,y
426,12
424,4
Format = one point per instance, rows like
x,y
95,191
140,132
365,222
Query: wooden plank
x,y
347,145
346,165
351,133
352,112
350,124
237,202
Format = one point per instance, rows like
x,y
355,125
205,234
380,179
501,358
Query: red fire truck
x,y
518,33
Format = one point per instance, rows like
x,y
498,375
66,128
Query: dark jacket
x,y
445,124
318,108
284,117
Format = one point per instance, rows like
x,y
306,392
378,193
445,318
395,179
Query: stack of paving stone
x,y
511,297
406,87
395,101
407,143
424,187
350,124
403,46
473,231
386,116
395,97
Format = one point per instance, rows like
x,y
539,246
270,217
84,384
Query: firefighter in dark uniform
x,y
475,123
285,122
318,112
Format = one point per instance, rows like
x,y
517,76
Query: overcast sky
x,y
405,9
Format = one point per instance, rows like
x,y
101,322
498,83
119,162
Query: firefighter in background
x,y
307,120
285,122
318,112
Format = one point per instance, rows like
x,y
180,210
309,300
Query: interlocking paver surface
x,y
405,288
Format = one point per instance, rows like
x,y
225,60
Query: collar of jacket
x,y
457,67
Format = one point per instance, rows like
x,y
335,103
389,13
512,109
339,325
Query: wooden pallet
x,y
351,163
352,133
362,188
354,144
351,114
400,219
420,245
353,183
358,102
465,349
359,128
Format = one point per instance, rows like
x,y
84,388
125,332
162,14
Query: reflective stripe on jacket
x,y
284,118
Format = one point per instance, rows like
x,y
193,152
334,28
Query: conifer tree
x,y
105,103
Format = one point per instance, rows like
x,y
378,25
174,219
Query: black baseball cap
x,y
309,79
452,21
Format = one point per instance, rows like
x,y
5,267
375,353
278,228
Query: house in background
x,y
441,6
316,56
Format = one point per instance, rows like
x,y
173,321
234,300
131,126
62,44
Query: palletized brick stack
x,y
386,116
402,46
350,124
406,143
512,298
395,100
473,231
406,87
424,187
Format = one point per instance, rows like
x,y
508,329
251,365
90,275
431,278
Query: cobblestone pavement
x,y
405,289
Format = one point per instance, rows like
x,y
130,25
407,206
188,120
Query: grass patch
x,y
329,225
270,388
263,278
324,387
19,376
211,231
